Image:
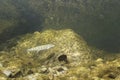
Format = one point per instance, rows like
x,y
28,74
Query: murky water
x,y
96,21
59,39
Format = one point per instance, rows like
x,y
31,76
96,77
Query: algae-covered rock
x,y
69,50
69,47
56,55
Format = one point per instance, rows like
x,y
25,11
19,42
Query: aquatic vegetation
x,y
64,55
70,58
66,43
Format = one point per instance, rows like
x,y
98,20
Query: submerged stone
x,y
7,72
69,59
69,47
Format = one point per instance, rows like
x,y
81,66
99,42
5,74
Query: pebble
x,y
35,76
7,72
44,69
99,60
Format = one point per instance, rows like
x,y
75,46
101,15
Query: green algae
x,y
84,62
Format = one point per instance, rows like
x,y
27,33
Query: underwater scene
x,y
59,39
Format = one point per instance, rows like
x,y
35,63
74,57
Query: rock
x,y
7,72
57,70
16,74
69,59
70,50
99,60
12,73
35,76
69,47
44,70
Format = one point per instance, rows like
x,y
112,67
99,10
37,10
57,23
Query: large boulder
x,y
69,47
59,55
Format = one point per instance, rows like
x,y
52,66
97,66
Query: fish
x,y
40,48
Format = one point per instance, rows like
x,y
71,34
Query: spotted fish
x,y
39,48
